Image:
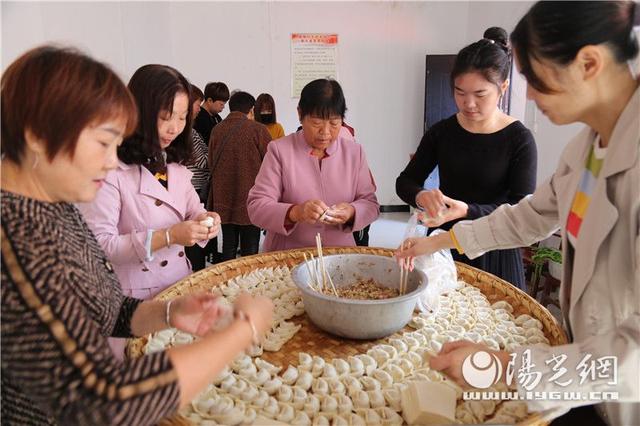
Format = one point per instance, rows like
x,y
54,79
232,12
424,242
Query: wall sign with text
x,y
313,56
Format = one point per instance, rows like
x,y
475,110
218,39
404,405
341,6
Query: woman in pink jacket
x,y
148,211
316,180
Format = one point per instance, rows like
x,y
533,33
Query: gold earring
x,y
35,162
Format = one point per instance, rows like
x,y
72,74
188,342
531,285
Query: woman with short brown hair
x,y
63,117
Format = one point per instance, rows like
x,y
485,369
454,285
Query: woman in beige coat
x,y
577,62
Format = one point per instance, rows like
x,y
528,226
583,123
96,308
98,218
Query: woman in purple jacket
x,y
316,180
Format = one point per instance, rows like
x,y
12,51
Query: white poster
x,y
313,56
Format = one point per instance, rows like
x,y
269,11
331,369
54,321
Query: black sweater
x,y
483,170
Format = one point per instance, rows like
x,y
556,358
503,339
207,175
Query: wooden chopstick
x,y
311,276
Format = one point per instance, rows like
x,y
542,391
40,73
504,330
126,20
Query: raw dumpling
x,y
356,420
379,355
286,413
370,416
261,377
249,416
411,343
503,305
392,351
342,366
290,375
272,386
301,419
356,366
320,386
399,344
383,377
370,363
229,381
305,380
345,404
222,375
328,404
243,361
389,417
249,371
415,358
299,397
320,420
339,421
305,361
336,386
520,320
361,400
249,394
261,400
395,372
353,385
238,387
532,323
329,371
318,366
406,365
369,383
393,399
264,365
376,399
285,393
271,408
312,405
534,340
517,409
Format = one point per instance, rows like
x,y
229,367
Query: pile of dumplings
x,y
363,389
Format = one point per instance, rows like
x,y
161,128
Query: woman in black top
x,y
485,157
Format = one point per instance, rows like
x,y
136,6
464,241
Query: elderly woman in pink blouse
x,y
316,180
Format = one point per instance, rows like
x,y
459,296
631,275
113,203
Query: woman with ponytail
x,y
484,156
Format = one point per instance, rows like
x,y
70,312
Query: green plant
x,y
540,257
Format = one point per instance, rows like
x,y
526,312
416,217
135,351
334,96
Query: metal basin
x,y
360,319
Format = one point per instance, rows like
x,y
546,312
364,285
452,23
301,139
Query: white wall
x,y
550,139
382,48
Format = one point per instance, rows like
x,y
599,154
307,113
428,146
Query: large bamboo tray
x,y
314,341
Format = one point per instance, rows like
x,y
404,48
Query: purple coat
x,y
131,202
291,175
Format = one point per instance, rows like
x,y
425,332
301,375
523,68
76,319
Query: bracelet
x,y
455,241
167,313
147,246
244,317
167,236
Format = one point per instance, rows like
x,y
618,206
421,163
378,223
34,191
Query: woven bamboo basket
x,y
314,341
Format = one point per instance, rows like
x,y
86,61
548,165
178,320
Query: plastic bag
x,y
439,267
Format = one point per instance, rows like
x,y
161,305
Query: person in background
x,y
316,180
236,149
147,210
576,57
216,96
265,113
362,236
485,157
201,181
63,117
